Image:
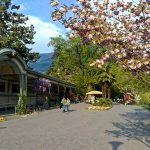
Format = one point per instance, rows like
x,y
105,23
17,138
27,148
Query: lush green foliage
x,y
103,102
125,81
71,63
14,33
125,37
145,97
107,77
21,106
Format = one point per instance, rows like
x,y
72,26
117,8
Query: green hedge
x,y
145,97
103,102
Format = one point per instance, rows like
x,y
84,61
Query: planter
x,y
98,108
2,119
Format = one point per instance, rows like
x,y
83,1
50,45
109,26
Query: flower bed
x,y
2,119
101,104
98,108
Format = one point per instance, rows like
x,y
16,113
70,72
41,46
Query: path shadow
x,y
72,110
136,126
3,127
115,145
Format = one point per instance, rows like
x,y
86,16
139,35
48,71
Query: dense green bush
x,y
137,99
103,102
21,106
145,99
115,92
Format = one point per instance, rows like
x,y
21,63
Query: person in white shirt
x,y
93,99
68,104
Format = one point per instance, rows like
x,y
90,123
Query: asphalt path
x,y
120,128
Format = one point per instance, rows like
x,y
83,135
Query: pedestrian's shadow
x,y
72,110
115,144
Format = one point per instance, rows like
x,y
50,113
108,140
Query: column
x,y
23,84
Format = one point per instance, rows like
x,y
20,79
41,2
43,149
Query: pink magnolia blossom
x,y
63,9
121,26
146,62
90,36
139,65
99,66
74,9
91,17
71,36
116,50
54,3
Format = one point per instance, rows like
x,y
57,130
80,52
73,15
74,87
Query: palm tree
x,y
107,78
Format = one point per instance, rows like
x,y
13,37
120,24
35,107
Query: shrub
x,y
21,106
103,102
115,92
145,98
137,99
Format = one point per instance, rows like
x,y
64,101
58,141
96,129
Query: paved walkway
x,y
120,128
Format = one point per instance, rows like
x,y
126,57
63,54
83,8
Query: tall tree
x,y
71,62
107,78
13,31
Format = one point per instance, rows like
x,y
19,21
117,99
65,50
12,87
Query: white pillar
x,y
23,84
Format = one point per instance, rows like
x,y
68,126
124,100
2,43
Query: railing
x,y
8,101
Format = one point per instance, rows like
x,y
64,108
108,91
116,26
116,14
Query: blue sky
x,y
39,12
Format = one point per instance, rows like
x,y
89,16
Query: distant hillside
x,y
43,63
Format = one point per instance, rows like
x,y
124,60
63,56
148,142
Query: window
x,y
30,89
15,88
2,86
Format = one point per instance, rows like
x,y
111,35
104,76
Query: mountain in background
x,y
43,63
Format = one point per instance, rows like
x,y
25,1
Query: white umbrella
x,y
94,93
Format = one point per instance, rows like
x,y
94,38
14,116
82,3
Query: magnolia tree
x,y
122,28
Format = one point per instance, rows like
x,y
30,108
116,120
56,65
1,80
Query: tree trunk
x,y
104,89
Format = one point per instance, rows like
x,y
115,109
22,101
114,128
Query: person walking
x,y
64,104
68,104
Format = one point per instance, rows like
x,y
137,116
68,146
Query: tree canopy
x,y
121,27
14,33
71,62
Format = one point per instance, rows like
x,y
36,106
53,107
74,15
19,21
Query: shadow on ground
x,y
115,144
3,127
72,110
135,127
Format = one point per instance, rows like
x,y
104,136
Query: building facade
x,y
17,78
